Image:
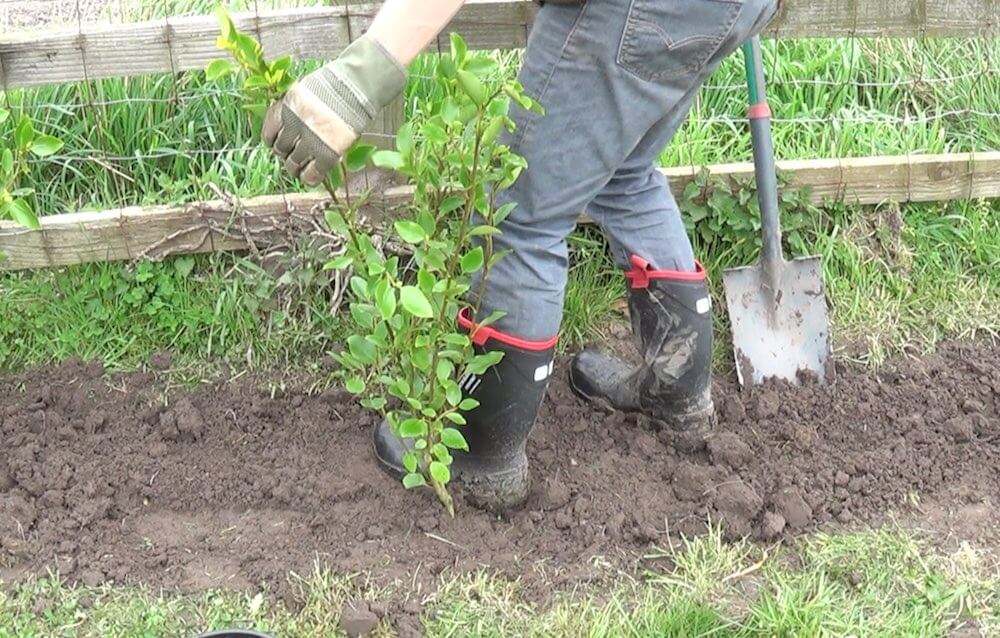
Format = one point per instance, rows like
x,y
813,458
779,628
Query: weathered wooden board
x,y
133,233
94,51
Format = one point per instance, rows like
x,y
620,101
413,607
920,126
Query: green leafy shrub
x,y
407,354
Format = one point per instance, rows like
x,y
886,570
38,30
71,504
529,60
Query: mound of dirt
x,y
107,478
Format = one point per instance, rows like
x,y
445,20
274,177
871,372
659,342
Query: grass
x,y
878,583
899,279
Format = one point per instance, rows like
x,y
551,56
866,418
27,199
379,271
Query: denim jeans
x,y
616,79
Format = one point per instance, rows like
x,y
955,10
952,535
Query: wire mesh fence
x,y
174,136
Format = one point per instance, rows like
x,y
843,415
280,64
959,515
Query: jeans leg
x,y
606,80
637,210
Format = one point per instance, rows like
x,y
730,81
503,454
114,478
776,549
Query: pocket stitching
x,y
629,61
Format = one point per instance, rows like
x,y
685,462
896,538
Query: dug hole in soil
x,y
106,478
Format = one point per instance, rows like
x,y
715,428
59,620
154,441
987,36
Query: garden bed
x,y
234,484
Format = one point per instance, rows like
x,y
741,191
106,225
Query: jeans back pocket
x,y
671,39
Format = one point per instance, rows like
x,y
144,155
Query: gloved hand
x,y
326,111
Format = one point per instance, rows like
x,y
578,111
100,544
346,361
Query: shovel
x,y
781,327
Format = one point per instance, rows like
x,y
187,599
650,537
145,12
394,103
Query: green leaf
x,y
339,263
388,159
472,86
458,48
412,428
413,480
451,204
453,394
410,461
458,340
434,133
441,453
454,439
374,403
225,22
281,64
415,302
440,472
336,222
354,385
24,133
4,115
358,156
411,232
21,213
483,362
184,266
404,140
482,66
219,69
385,297
364,350
7,162
480,231
456,417
468,404
473,260
360,287
492,132
45,145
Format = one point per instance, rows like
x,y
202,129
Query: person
x,y
616,79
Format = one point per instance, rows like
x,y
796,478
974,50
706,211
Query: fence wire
x,y
174,136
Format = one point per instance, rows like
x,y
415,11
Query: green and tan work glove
x,y
323,114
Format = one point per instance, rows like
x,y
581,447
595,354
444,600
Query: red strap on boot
x,y
641,273
481,334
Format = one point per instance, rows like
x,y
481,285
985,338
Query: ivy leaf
x,y
415,302
413,480
473,260
388,159
219,69
359,155
440,472
411,232
45,145
472,86
454,439
412,428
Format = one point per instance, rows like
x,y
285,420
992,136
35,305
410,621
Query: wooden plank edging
x,y
135,232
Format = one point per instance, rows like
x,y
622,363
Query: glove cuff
x,y
362,81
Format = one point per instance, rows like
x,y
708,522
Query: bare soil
x,y
110,478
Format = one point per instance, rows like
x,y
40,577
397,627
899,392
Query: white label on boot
x,y
542,372
703,305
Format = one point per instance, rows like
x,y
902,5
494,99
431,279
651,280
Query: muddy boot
x,y
672,323
493,474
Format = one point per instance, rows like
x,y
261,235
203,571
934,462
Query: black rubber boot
x,y
493,474
672,324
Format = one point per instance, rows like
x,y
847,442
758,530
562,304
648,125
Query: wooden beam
x,y
171,45
135,233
